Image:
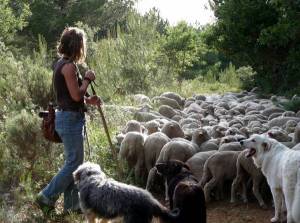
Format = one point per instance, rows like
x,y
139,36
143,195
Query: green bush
x,y
130,63
14,94
24,136
247,77
293,105
39,83
27,150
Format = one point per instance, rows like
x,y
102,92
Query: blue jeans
x,y
69,125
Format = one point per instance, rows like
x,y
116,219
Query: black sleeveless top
x,y
63,97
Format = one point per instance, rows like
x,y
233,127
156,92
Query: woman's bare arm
x,y
77,93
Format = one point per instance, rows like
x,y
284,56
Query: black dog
x,y
184,191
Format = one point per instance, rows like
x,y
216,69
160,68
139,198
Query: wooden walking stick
x,y
112,148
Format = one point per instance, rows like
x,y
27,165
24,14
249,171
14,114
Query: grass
x,y
16,203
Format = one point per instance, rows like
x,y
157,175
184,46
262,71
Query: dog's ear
x,y
160,167
266,146
270,134
186,166
76,175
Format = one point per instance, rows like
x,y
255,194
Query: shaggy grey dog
x,y
104,197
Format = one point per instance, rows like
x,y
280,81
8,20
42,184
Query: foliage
x,y
38,76
208,59
24,137
25,83
262,34
246,75
13,17
180,47
49,18
292,105
131,58
14,95
153,16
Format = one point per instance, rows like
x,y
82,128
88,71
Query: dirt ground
x,y
225,212
217,212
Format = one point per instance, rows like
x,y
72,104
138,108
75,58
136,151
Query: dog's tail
x,y
296,204
166,215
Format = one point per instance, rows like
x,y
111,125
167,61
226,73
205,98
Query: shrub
x,y
130,63
39,83
38,75
24,136
246,75
28,150
293,105
14,94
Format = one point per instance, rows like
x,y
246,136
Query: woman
x,y
70,94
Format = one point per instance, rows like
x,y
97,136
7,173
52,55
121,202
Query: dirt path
x,y
226,212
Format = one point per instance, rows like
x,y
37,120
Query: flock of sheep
x,y
205,133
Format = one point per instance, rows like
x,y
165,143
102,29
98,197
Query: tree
x,y
263,34
180,47
50,17
13,15
208,59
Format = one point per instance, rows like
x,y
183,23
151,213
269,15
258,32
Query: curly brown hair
x,y
72,44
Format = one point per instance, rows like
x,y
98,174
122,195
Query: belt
x,y
82,110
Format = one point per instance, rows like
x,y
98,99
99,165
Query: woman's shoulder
x,y
69,67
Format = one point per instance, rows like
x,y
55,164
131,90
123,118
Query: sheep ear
x,y
266,146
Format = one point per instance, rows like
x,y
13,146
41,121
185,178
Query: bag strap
x,y
79,76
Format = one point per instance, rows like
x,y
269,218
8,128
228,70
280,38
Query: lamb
x,y
231,146
167,111
245,166
218,131
275,115
228,139
180,100
141,99
203,141
133,126
290,126
197,161
178,149
145,116
194,108
152,127
132,151
219,167
153,145
295,139
279,134
172,130
166,101
281,121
